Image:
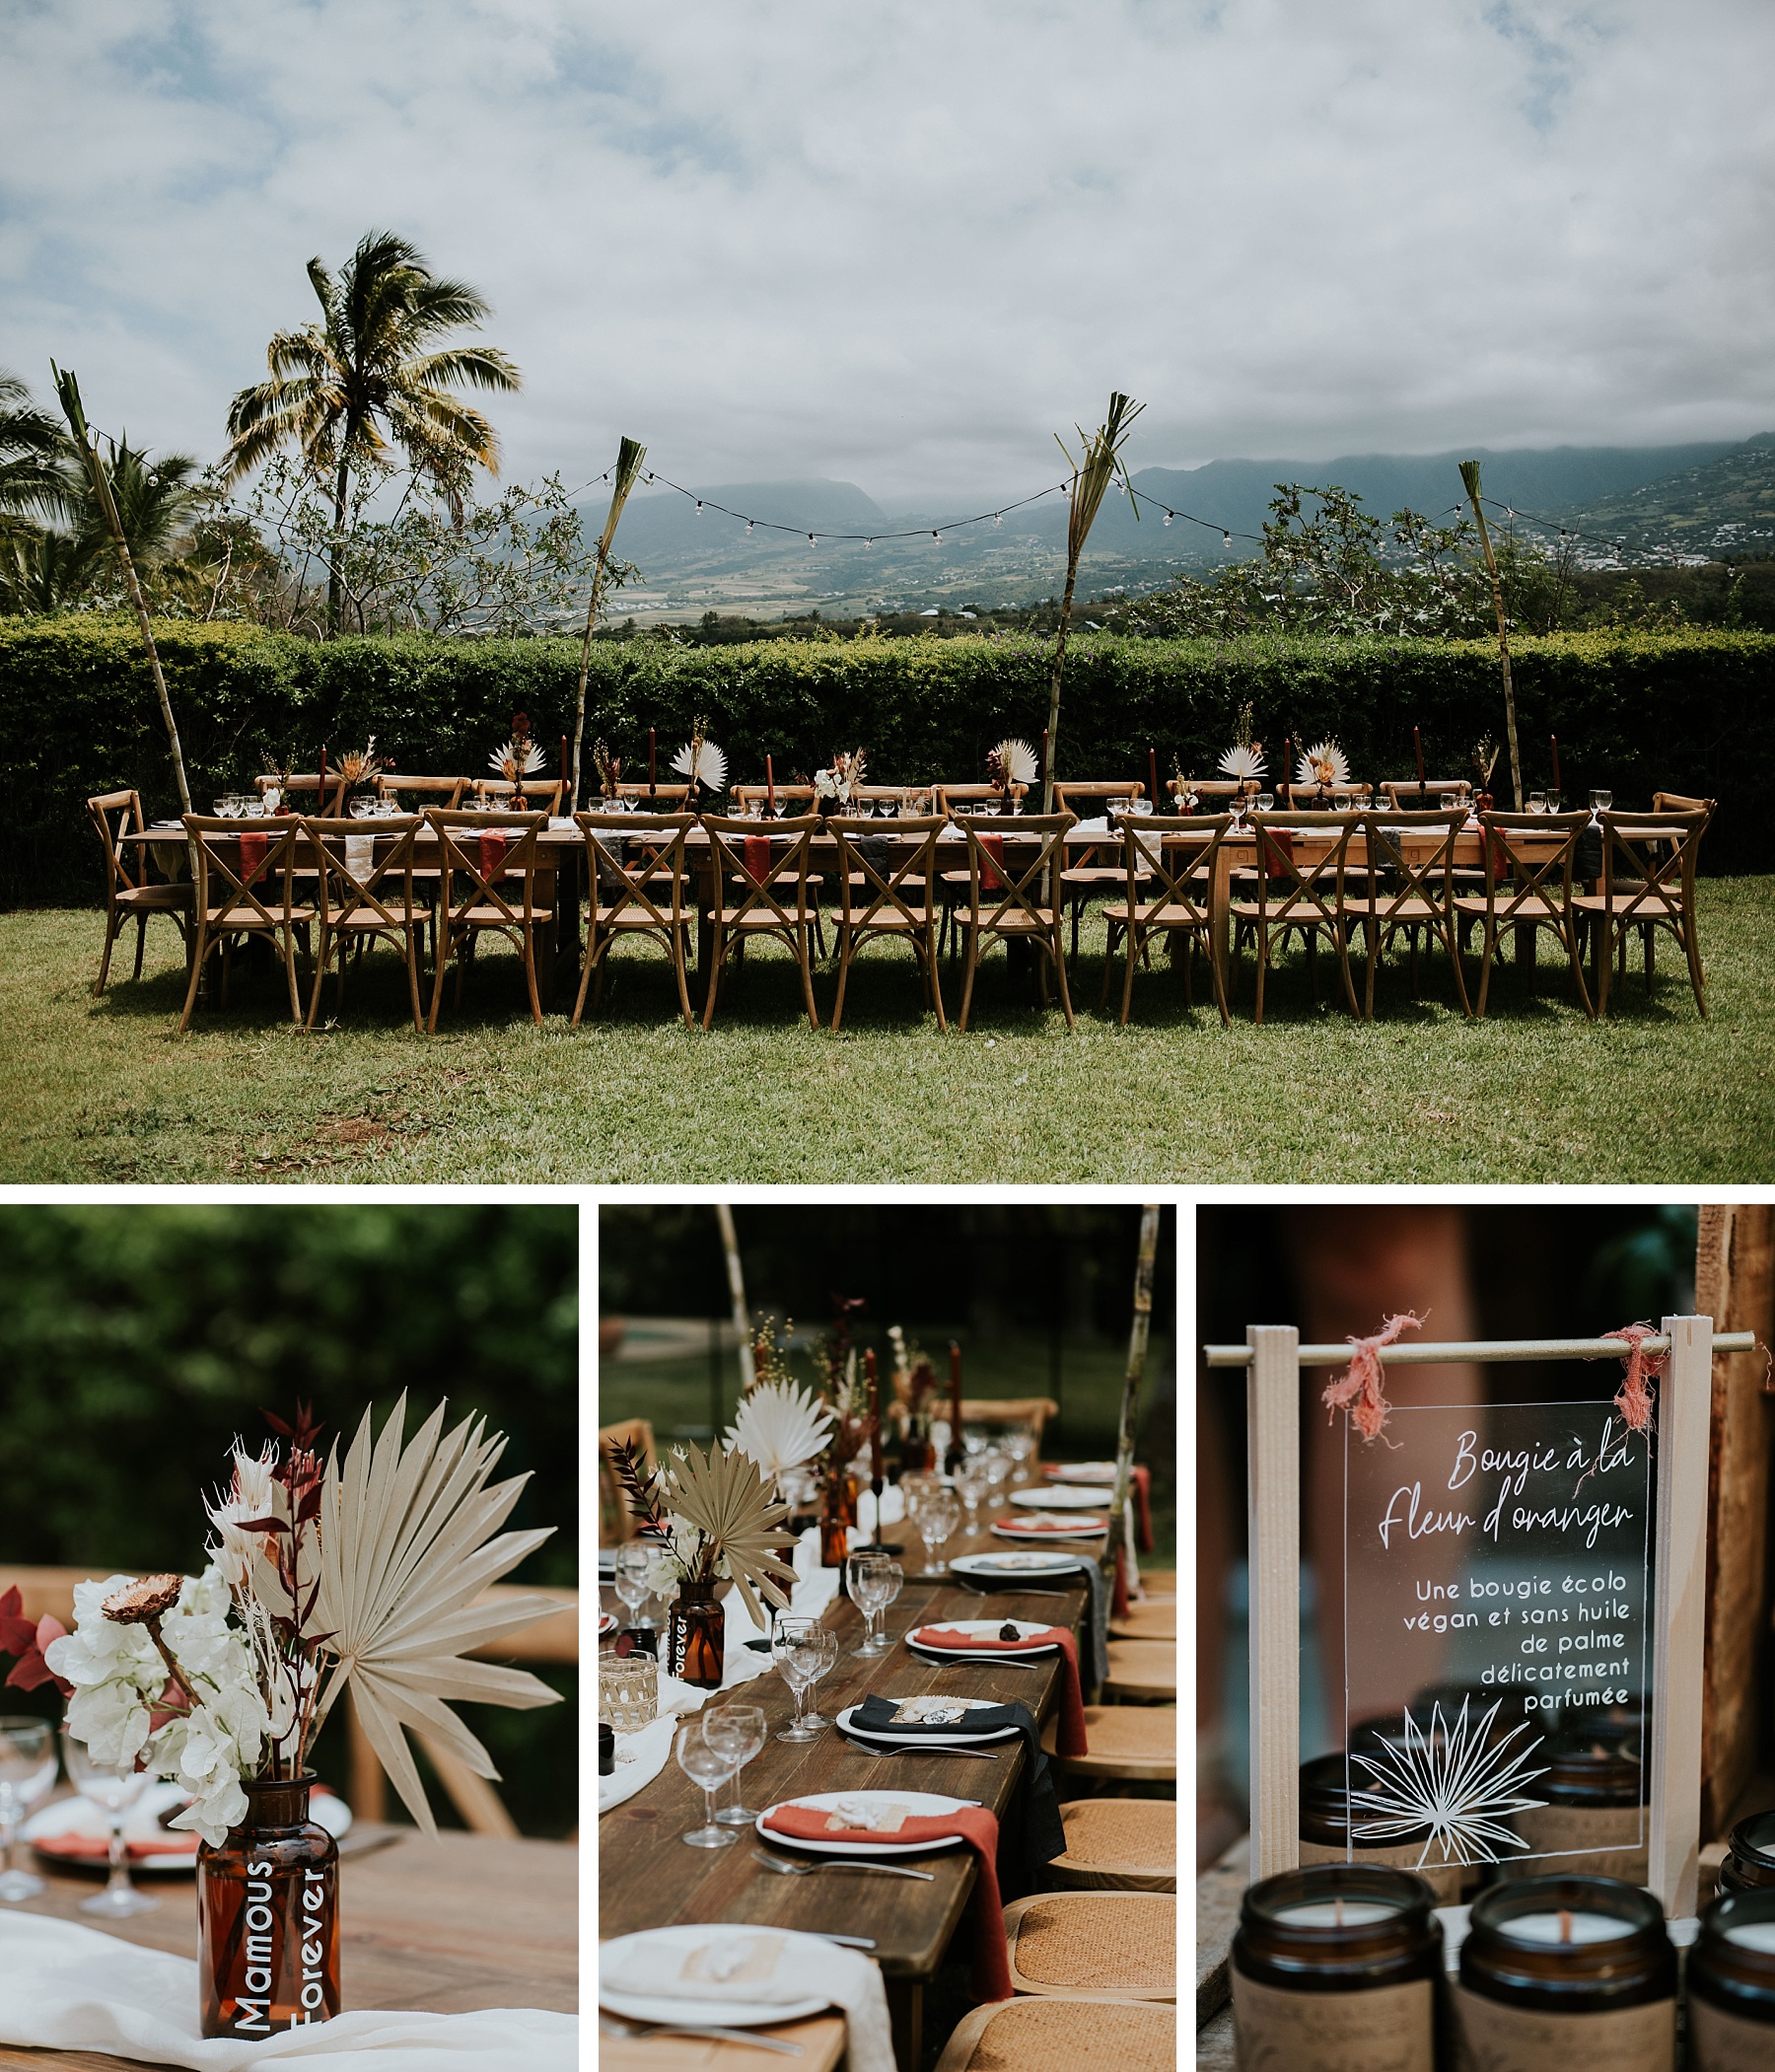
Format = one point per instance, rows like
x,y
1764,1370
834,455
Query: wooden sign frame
x,y
1273,1357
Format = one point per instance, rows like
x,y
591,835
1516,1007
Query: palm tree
x,y
33,449
155,502
374,363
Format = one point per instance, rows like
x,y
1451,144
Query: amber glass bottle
x,y
269,1917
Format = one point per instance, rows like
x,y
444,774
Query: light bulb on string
x,y
1169,515
998,518
938,536
867,543
748,526
811,541
699,507
1226,539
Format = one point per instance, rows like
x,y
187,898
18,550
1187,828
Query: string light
x,y
1169,515
699,507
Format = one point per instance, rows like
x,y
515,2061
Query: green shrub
x,y
1689,711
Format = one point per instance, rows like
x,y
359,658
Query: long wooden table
x,y
648,1878
469,1921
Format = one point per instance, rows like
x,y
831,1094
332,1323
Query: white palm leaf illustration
x,y
1323,763
1457,1781
408,1540
779,1426
722,1497
704,762
1242,762
1017,760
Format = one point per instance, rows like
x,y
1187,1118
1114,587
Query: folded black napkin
x,y
877,851
1039,1828
1094,1653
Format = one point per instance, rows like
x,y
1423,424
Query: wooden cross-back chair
x,y
635,869
238,864
1080,882
1167,868
674,798
1410,893
1016,897
1648,884
333,801
1406,793
615,1524
948,796
535,795
1297,890
130,893
1527,884
775,904
760,794
475,870
893,900
435,791
365,894
1030,1411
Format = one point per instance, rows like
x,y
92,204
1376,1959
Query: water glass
x,y
1602,800
628,1689
938,1518
974,1482
824,1643
797,1655
866,1576
634,1575
1537,802
114,1792
737,1732
1265,800
27,1771
1019,1449
711,1767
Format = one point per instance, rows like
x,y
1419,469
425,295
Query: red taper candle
x,y
1152,773
875,1420
320,798
652,784
770,794
1554,741
1417,749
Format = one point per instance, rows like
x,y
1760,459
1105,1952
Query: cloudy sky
x,y
902,241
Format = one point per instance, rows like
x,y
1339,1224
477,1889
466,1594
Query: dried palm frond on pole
x,y
629,458
1121,1515
730,1245
67,389
1099,463
1469,477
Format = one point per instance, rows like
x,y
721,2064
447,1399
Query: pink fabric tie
x,y
1362,1390
492,854
1634,1400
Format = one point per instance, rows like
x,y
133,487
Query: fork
x,y
785,1868
982,1755
610,2025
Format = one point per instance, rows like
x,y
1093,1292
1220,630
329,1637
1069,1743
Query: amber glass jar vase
x,y
696,1636
269,1917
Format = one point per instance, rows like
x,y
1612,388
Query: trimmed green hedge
x,y
1691,711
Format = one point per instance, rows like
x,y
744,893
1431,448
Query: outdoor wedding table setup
x,y
246,1916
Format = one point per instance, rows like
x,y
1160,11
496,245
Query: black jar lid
x,y
1752,1844
1732,1962
1338,1928
1325,1805
1503,1959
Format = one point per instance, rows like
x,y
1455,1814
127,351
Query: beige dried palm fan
x,y
409,1538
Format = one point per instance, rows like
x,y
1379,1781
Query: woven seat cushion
x,y
1063,2036
1146,1622
493,917
1125,1741
1097,1942
1142,1669
1125,1838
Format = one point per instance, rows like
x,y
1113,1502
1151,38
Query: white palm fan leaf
x,y
779,1426
1017,760
409,1537
525,759
1242,762
1323,763
704,763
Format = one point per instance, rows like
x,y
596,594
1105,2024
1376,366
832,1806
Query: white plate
x,y
1002,1565
1058,1497
981,1629
1101,1471
955,1734
916,1802
720,2013
142,1823
607,1623
1084,1528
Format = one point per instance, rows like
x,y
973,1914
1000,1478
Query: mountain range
x,y
1633,504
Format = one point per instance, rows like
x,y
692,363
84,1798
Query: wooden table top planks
x,y
472,1921
648,1878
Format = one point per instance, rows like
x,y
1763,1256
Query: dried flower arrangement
x,y
1011,767
358,768
711,1516
1244,759
1182,787
1323,767
519,757
700,760
1485,760
609,768
914,1378
841,778
358,1573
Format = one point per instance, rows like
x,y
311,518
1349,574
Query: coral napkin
x,y
97,1846
253,850
757,857
977,1826
492,854
1070,1737
994,845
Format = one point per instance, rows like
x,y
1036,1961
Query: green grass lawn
x,y
105,1089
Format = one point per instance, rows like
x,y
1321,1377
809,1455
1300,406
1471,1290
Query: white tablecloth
x,y
67,1988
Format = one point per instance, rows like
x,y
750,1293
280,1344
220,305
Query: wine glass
x,y
938,1518
866,1576
1266,801
973,1482
1537,802
711,1767
737,1730
634,1575
796,1655
825,1644
27,1771
1600,801
1020,1450
892,1581
114,1792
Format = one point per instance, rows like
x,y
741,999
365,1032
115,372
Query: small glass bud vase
x,y
269,1917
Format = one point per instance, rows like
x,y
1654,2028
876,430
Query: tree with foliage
x,y
370,374
33,453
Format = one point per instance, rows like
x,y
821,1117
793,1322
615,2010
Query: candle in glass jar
x,y
1335,1968
1593,1822
1562,1963
1324,1829
1732,1985
1750,1865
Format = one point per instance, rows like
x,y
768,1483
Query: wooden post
x,y
1734,1285
1273,1409
1685,1405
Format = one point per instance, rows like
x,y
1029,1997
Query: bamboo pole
x,y
629,458
67,388
1466,1351
730,1245
1139,1332
1469,475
